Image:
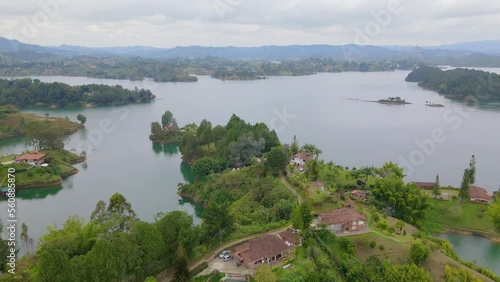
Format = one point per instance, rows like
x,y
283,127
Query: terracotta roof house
x,y
479,195
301,158
264,249
425,185
359,195
32,158
343,220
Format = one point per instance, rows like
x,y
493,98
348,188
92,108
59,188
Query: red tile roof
x,y
30,157
288,236
358,194
304,155
341,216
266,246
478,192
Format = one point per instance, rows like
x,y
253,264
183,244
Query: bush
x,y
373,244
376,217
404,232
347,245
391,229
382,225
381,247
419,253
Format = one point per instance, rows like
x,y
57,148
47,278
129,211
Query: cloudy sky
x,y
169,23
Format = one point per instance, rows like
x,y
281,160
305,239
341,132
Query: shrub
x,y
404,232
381,247
376,217
382,225
373,244
391,229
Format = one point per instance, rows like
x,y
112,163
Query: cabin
x,y
480,195
31,158
426,185
265,249
343,220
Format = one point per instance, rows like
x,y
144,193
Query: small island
x,y
434,105
393,101
167,132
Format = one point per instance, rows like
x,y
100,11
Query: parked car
x,y
223,254
227,258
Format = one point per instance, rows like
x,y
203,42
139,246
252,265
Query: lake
x,y
476,249
324,109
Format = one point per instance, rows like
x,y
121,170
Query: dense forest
x,y
27,92
467,85
234,144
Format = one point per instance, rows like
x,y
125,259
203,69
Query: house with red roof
x,y
480,195
343,220
33,158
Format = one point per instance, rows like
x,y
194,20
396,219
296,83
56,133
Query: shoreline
x,y
191,198
494,239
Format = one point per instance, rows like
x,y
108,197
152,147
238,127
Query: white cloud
x,y
243,22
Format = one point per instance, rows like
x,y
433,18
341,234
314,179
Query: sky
x,y
170,23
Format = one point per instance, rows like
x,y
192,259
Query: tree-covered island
x,y
27,92
464,85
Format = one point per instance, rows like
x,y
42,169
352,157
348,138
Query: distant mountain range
x,y
480,53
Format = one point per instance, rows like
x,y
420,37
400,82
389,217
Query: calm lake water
x,y
318,109
475,248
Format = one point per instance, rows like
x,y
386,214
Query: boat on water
x,y
435,105
393,101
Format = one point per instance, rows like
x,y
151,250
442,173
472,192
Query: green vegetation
x,y
464,216
419,253
13,123
494,213
465,85
167,132
459,274
238,142
27,92
60,165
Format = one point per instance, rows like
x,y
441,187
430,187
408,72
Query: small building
x,y
359,195
425,185
264,249
480,195
343,220
34,158
301,158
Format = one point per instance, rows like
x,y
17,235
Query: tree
x,y
294,147
81,118
276,160
181,266
312,149
419,253
463,193
494,213
399,225
265,274
472,170
44,137
436,190
166,118
218,223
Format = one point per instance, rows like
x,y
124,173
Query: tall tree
x,y
276,160
218,223
472,170
181,269
311,148
419,253
436,190
166,118
294,147
463,193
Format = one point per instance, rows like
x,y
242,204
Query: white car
x,y
227,258
223,254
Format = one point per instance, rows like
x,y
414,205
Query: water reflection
x,y
187,172
198,209
167,149
35,193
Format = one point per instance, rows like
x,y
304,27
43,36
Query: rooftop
x,y
30,156
341,216
261,247
478,192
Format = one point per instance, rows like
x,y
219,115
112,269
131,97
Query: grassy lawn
x,y
466,216
7,158
38,176
11,124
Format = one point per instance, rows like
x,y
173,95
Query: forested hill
x,y
459,84
27,92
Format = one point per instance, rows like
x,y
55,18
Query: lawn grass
x,y
12,124
7,158
465,216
